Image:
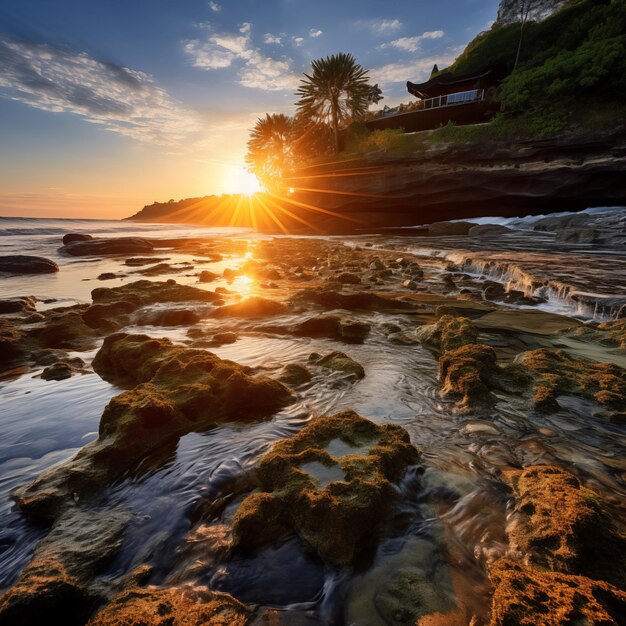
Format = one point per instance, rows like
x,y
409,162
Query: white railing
x,y
451,99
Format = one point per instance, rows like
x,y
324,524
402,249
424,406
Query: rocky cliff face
x,y
441,182
470,180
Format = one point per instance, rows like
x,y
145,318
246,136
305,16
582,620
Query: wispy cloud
x,y
383,26
268,38
297,41
259,71
315,32
412,44
122,100
215,7
414,70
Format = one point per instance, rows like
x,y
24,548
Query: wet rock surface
x,y
100,247
23,264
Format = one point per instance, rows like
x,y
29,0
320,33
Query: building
x,y
444,97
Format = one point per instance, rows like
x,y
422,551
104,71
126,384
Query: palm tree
x,y
270,148
336,92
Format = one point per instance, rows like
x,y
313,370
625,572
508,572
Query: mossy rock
x,y
172,391
187,605
561,525
555,372
332,485
338,362
528,596
468,374
448,333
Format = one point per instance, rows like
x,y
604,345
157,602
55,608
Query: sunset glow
x,y
243,182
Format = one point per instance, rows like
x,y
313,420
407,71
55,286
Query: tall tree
x,y
524,11
270,147
336,92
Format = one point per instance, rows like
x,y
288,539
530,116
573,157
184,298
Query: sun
x,y
243,182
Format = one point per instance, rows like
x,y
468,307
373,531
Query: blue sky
x,y
108,105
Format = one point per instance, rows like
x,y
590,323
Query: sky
x,y
108,105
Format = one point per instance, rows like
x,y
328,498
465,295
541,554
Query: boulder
x,y
168,317
443,229
104,247
338,362
63,328
162,268
347,278
73,237
469,373
109,316
25,305
23,264
294,374
56,587
331,485
488,230
65,368
448,333
172,391
207,276
333,327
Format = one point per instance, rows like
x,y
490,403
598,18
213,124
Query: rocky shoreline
x,y
338,486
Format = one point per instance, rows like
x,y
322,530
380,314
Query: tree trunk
x,y
519,45
335,121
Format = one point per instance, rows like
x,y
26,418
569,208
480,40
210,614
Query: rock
x,y
338,362
56,586
162,268
562,526
63,328
103,247
616,331
11,348
346,278
173,391
143,260
488,230
66,368
331,484
442,229
25,305
172,606
448,333
110,316
220,339
468,373
254,306
145,292
329,299
333,327
581,235
553,224
72,237
23,264
527,596
168,317
207,277
107,276
554,372
294,374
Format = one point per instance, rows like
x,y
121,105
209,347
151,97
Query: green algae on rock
x,y
448,333
336,519
469,373
172,391
338,362
555,373
187,605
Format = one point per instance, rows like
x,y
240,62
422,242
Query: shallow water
x,y
451,518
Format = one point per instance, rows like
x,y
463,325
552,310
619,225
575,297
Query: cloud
x,y
315,33
412,44
215,7
259,71
383,27
121,100
268,38
298,41
414,70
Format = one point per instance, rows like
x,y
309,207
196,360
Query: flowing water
x,y
452,516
